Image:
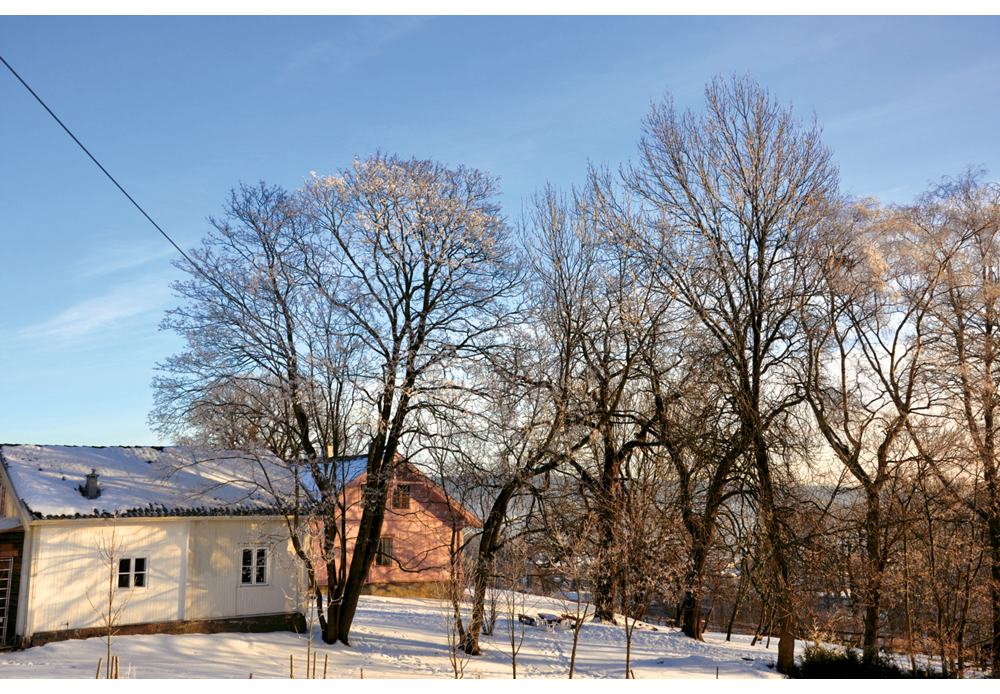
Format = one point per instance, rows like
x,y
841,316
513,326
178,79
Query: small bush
x,y
819,662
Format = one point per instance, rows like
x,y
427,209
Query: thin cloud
x,y
115,258
354,46
99,314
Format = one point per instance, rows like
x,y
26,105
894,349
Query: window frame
x,y
383,558
255,565
131,573
401,498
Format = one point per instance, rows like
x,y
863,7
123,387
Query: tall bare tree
x,y
320,324
957,230
415,260
867,370
263,371
736,193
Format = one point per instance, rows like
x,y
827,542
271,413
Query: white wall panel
x,y
214,590
67,573
67,570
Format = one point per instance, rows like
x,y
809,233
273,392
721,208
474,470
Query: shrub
x,y
820,662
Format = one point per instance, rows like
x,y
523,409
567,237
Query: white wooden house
x,y
201,549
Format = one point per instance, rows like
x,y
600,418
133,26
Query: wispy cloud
x,y
365,40
939,93
109,259
100,314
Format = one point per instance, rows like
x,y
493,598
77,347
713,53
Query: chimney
x,y
91,491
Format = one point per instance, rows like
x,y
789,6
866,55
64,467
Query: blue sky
x,y
180,110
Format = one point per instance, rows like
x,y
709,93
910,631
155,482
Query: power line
x,y
39,99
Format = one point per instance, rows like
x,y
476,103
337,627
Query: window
x,y
254,568
132,572
401,496
384,556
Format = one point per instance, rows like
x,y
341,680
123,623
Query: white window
x,y
132,572
253,570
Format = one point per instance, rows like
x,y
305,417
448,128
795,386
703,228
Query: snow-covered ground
x,y
396,637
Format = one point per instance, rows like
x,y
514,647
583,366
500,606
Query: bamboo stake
x,y
362,673
100,662
251,675
326,661
116,667
291,665
314,665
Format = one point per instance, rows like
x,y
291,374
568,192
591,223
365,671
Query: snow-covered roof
x,y
139,481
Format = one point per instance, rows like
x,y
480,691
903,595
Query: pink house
x,y
421,523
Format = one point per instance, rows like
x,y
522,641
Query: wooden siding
x,y
214,589
66,569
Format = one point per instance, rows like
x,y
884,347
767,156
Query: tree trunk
x,y
994,529
606,581
786,645
873,590
374,496
764,607
605,597
691,614
489,543
691,623
741,594
906,607
772,528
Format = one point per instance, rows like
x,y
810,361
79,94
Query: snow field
x,y
404,638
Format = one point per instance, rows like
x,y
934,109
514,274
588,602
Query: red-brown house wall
x,y
421,534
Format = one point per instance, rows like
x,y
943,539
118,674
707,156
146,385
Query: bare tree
x,y
701,444
452,452
512,570
414,260
265,372
111,549
957,231
645,546
736,194
867,371
559,378
563,542
321,322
